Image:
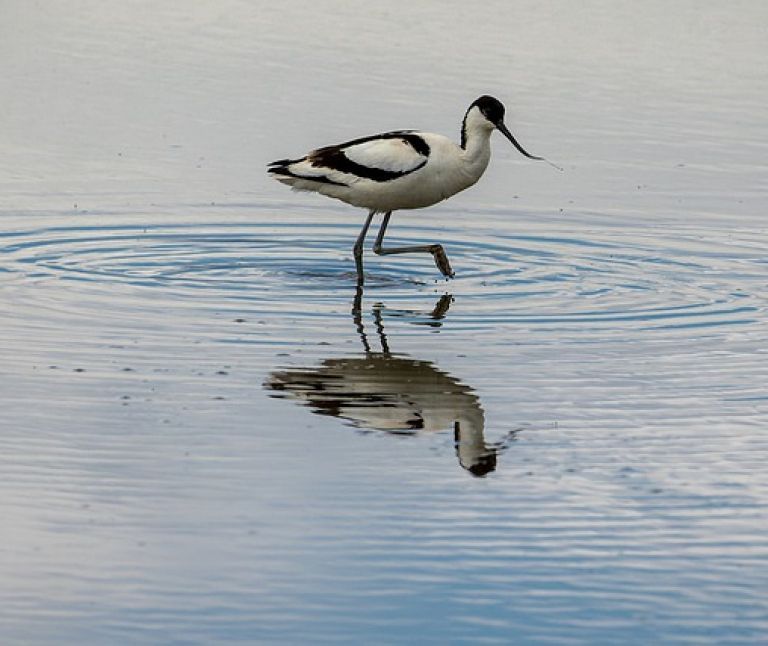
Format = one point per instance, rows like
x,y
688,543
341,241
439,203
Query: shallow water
x,y
209,434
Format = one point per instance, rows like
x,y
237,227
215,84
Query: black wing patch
x,y
334,158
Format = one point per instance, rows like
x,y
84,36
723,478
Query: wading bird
x,y
404,169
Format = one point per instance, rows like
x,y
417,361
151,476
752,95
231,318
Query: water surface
x,y
209,434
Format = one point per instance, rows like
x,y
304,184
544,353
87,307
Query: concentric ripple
x,y
607,380
566,275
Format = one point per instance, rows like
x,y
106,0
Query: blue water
x,y
209,434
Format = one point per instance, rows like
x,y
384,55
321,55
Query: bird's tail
x,y
300,174
281,171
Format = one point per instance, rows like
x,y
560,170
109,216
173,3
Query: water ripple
x,y
666,280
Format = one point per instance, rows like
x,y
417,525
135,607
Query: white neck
x,y
476,137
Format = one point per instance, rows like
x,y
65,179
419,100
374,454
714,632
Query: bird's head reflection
x,y
394,393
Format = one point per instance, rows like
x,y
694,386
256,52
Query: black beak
x,y
503,130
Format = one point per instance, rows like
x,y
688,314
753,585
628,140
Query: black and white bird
x,y
404,169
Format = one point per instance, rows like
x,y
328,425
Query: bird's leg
x,y
357,250
437,251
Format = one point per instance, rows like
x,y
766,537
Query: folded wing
x,y
380,158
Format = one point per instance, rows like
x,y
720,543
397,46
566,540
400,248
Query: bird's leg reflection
x,y
441,307
435,316
379,323
357,313
393,393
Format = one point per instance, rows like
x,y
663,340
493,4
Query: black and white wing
x,y
380,158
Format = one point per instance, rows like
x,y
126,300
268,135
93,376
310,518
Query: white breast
x,y
392,171
447,171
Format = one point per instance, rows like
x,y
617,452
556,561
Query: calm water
x,y
208,435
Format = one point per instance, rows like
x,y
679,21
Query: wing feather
x,y
394,155
379,158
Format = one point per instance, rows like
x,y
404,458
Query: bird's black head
x,y
492,109
492,112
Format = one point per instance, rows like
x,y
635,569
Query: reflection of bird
x,y
405,169
394,393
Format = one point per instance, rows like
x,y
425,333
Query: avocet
x,y
404,169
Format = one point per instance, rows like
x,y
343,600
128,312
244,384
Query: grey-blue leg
x,y
357,250
437,251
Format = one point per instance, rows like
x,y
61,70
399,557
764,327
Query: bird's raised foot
x,y
441,260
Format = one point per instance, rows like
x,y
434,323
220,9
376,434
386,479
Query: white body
x,y
426,179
